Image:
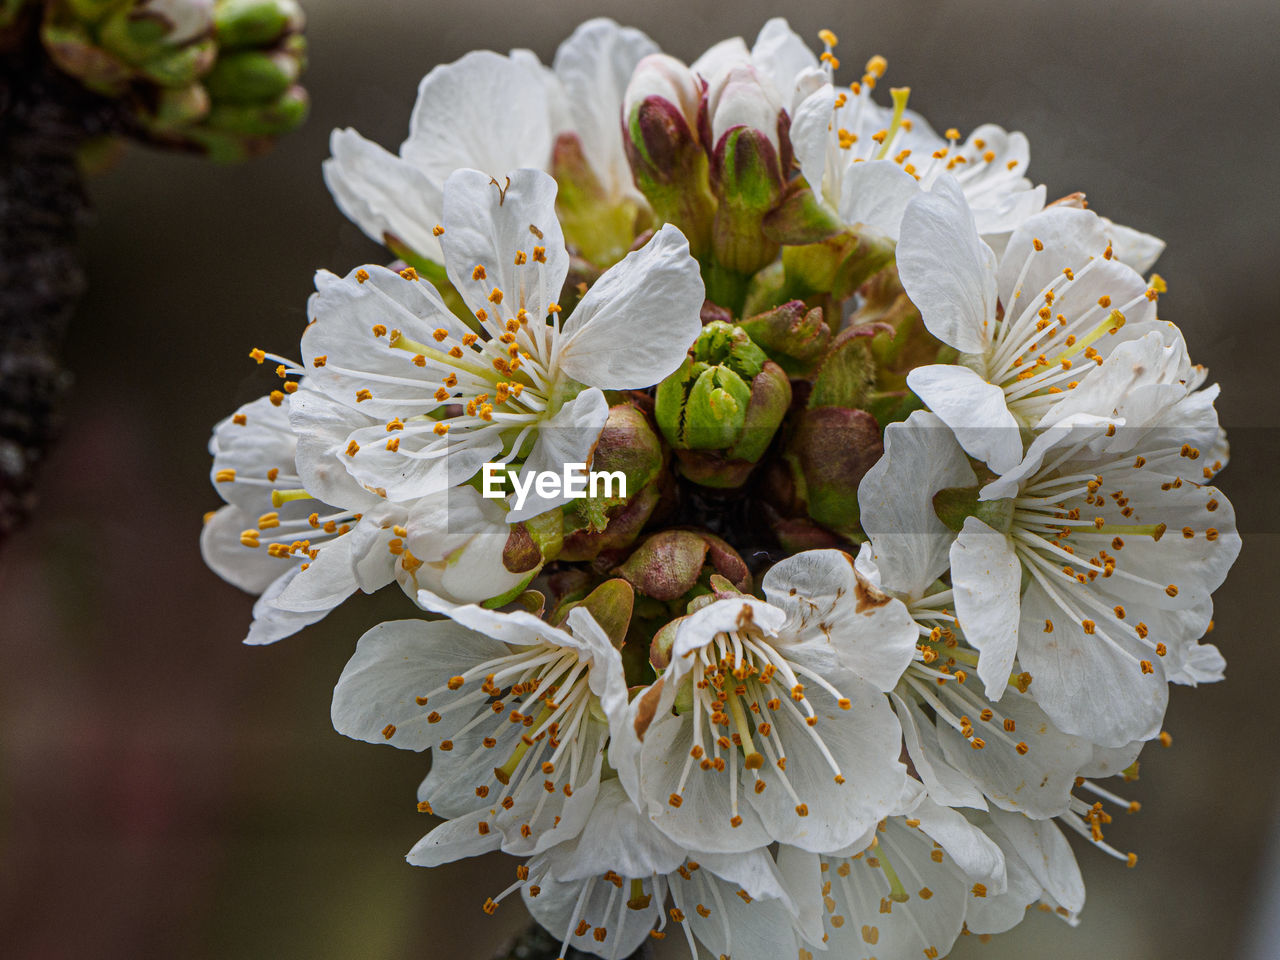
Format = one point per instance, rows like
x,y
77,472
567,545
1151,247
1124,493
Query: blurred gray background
x,y
166,792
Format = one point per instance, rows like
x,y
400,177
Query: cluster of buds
x,y
875,587
216,76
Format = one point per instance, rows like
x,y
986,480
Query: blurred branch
x,y
537,944
45,117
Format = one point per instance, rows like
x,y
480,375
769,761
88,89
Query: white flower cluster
x,y
828,348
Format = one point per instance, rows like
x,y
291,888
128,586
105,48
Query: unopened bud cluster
x,y
918,522
217,76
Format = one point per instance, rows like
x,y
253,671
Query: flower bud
x,y
629,445
256,23
670,564
182,66
665,77
668,161
250,76
611,605
140,32
179,107
794,335
273,117
740,97
830,452
71,47
746,129
720,410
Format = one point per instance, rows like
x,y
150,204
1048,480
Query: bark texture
x,y
45,116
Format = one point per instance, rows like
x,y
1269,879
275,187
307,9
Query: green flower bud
x,y
715,408
667,158
181,67
726,345
151,29
179,107
256,23
847,371
629,445
794,335
71,47
284,113
252,75
611,605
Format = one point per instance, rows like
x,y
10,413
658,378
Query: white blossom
x,y
770,724
492,113
521,385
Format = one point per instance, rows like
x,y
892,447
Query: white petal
x,y
397,662
876,193
833,606
484,111
809,136
250,569
865,743
454,840
270,623
701,822
1046,852
594,64
1070,238
1139,250
345,312
325,583
616,837
974,409
382,194
947,271
969,848
1037,783
759,930
1063,435
1089,685
910,544
561,907
637,321
567,438
944,782
518,627
721,57
782,55
722,616
486,222
987,577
